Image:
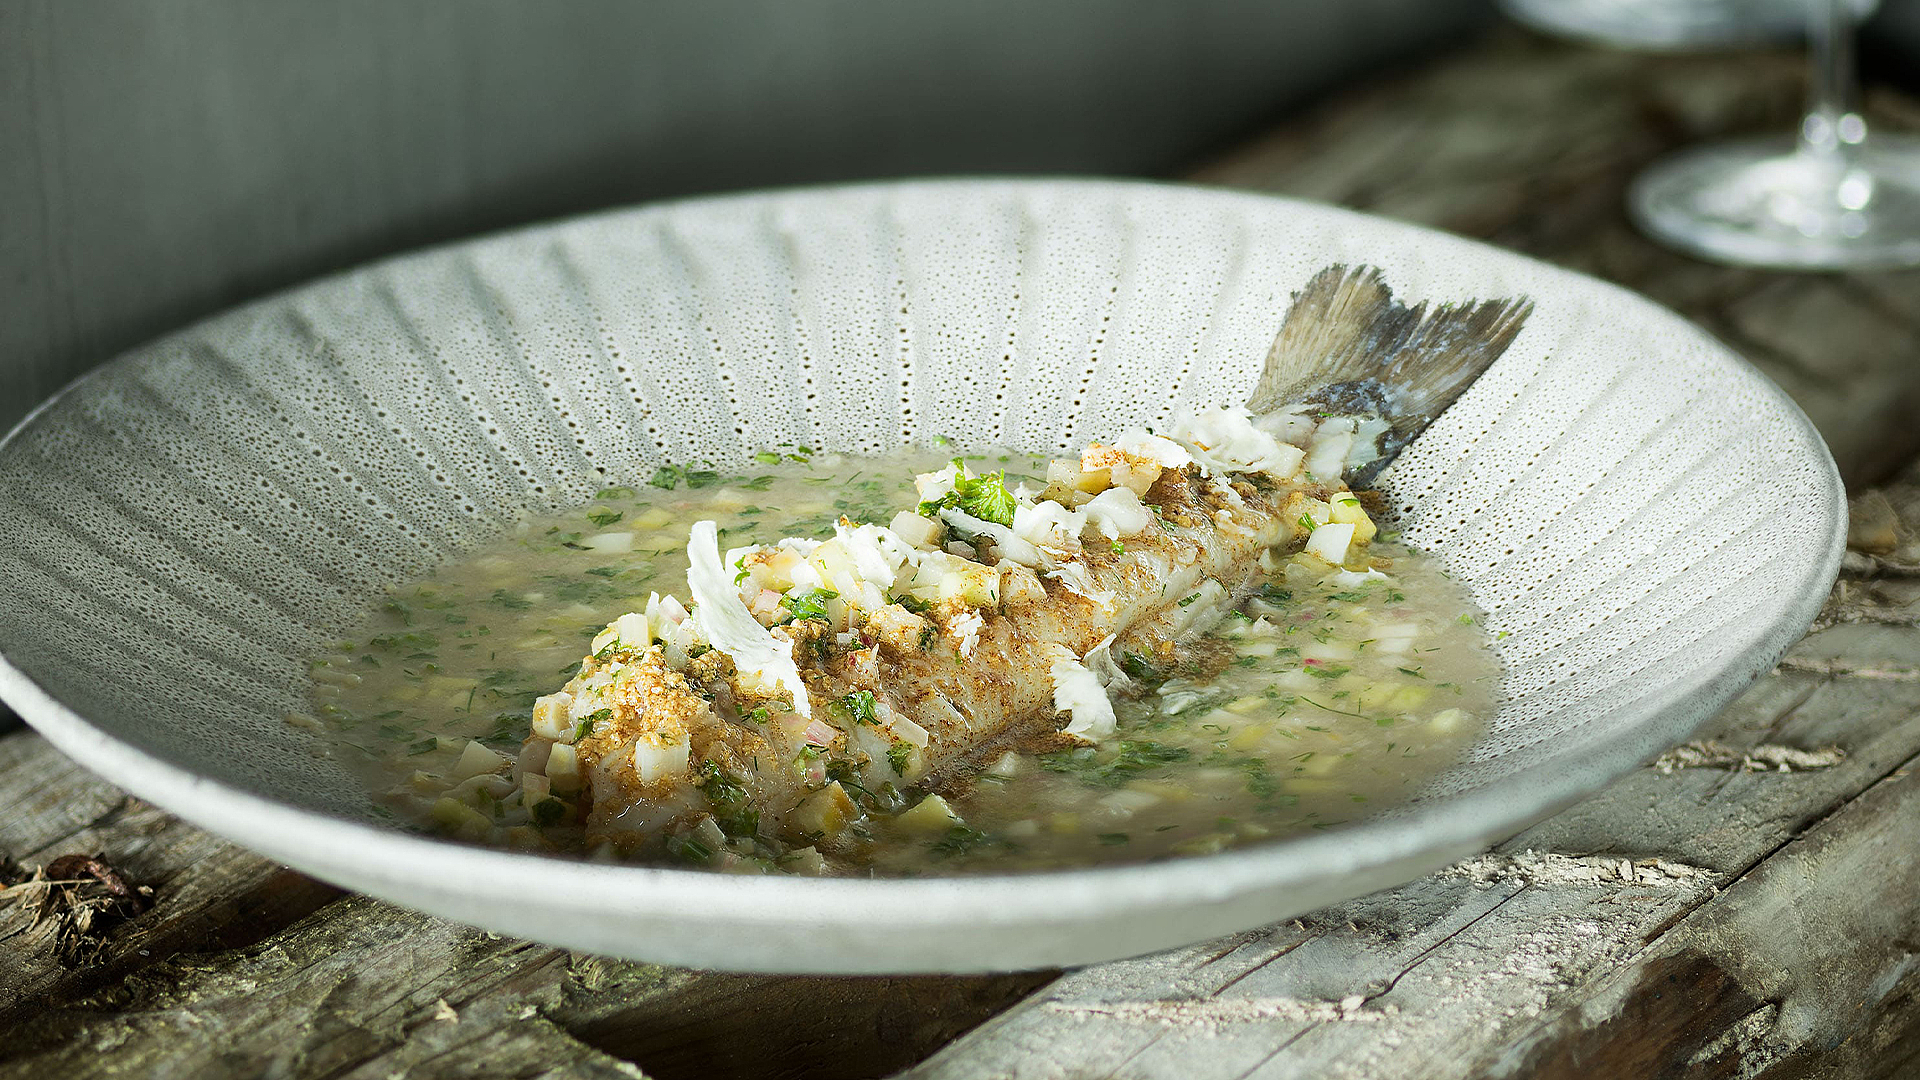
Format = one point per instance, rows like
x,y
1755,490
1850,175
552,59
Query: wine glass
x,y
1835,199
1682,25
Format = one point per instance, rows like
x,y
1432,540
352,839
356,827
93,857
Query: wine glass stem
x,y
1833,128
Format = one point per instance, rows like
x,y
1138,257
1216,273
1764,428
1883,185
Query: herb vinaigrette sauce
x,y
1337,702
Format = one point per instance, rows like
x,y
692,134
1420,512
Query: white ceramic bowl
x,y
1650,520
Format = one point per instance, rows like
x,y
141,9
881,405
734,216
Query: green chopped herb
x,y
505,599
733,807
425,746
688,849
585,727
412,643
900,755
616,493
604,518
548,811
961,839
1128,759
1114,838
985,497
859,706
809,605
1137,667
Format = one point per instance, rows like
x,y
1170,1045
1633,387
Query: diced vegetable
x,y
930,815
478,760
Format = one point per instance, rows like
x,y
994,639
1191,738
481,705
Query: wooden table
x,y
1745,908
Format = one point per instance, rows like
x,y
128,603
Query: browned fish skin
x,y
983,628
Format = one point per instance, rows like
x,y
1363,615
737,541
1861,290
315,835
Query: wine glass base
x,y
1760,203
1663,24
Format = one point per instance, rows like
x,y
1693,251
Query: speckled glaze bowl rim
x,y
1365,855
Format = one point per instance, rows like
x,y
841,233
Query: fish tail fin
x,y
1348,345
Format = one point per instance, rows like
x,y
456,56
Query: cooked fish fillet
x,y
810,685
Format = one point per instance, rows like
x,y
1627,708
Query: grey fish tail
x,y
1347,345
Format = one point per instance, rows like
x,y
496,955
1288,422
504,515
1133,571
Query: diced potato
x,y
977,585
525,838
1135,475
1346,510
603,639
1070,474
1448,721
534,788
831,558
825,812
1242,706
632,630
1248,737
654,518
656,759
1008,764
563,769
1408,698
806,860
1064,824
460,820
1204,845
612,543
477,760
1123,804
918,530
929,815
550,717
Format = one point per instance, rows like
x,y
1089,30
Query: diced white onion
x,y
1330,542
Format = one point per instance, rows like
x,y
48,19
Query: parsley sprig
x,y
985,497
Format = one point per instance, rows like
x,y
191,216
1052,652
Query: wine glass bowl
x,y
1834,199
1766,202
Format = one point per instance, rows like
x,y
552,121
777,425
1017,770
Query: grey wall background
x,y
163,159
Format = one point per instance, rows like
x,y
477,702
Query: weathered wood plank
x,y
363,989
1526,964
1427,980
207,892
228,953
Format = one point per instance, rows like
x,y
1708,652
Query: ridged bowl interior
x,y
1648,521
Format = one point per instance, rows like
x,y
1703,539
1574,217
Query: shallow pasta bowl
x,y
1648,521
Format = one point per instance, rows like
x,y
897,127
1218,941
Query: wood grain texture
x,y
245,968
1678,920
1715,916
